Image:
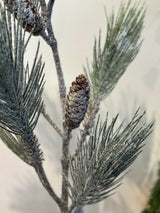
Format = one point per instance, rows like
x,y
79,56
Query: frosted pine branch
x,y
103,157
122,44
103,152
30,144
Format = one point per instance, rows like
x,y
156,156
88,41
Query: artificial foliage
x,y
104,156
122,43
104,151
20,88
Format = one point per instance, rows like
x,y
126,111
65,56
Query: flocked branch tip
x,y
103,157
121,45
20,88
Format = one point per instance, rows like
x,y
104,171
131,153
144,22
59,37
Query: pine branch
x,y
21,96
65,169
75,109
20,89
50,8
51,41
32,147
122,44
103,157
106,153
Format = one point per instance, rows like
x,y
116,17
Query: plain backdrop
x,y
76,23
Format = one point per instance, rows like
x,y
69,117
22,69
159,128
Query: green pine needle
x,y
103,157
122,43
20,89
13,142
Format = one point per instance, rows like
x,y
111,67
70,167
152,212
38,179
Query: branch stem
x,y
54,46
51,122
49,9
42,176
65,168
62,88
52,42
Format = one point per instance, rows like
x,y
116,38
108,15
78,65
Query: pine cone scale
x,y
31,19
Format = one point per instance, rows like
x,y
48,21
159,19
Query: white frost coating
x,y
16,5
123,40
29,14
123,34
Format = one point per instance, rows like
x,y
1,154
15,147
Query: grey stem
x,y
42,176
54,47
65,167
51,122
51,41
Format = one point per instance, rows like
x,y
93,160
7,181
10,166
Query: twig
x,y
53,45
52,123
50,8
65,168
36,157
66,134
62,88
42,176
51,41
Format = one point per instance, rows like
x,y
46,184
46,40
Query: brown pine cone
x,y
30,17
77,102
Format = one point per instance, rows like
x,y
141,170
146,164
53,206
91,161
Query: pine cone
x,y
77,102
31,19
